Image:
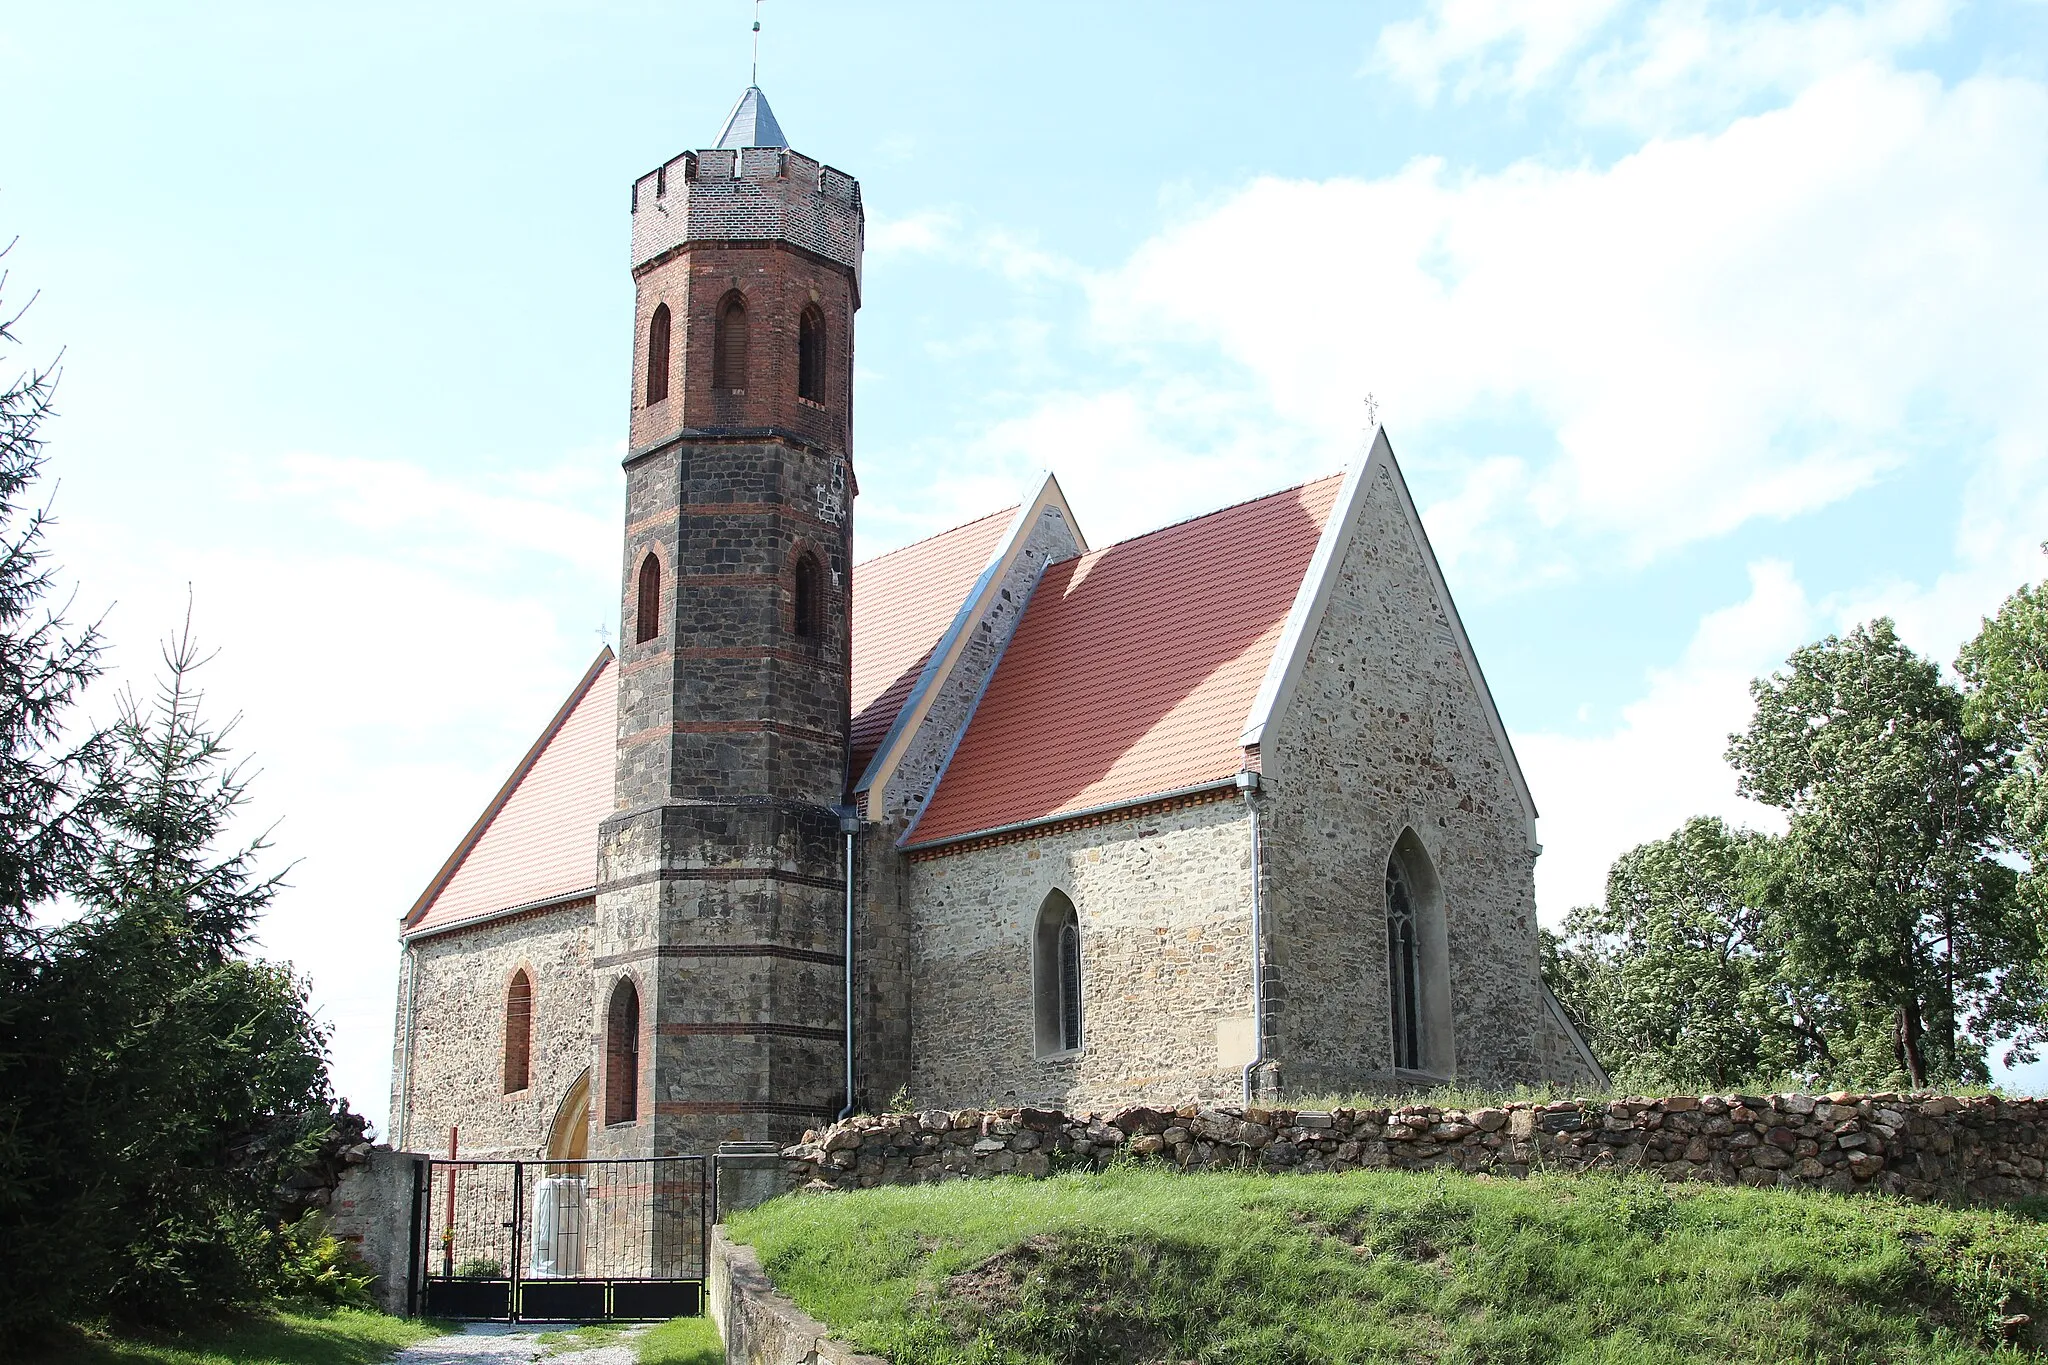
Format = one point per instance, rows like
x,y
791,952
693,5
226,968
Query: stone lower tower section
x,y
720,901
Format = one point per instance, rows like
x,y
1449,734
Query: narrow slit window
x,y
518,1032
622,1054
1404,970
647,609
810,355
729,344
657,354
808,607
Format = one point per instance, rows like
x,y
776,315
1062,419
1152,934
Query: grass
x,y
681,1341
1136,1265
342,1336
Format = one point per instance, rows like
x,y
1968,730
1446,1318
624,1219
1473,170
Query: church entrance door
x,y
566,1240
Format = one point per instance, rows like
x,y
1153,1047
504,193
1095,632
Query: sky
x,y
1700,329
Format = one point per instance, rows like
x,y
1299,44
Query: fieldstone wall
x,y
1385,732
1164,902
1982,1149
371,1209
456,1073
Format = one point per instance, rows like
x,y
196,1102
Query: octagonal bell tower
x,y
717,954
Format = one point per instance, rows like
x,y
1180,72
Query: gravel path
x,y
494,1343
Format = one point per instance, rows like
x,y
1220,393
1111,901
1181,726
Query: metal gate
x,y
564,1241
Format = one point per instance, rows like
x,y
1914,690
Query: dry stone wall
x,y
1983,1149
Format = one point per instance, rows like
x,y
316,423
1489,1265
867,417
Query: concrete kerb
x,y
761,1326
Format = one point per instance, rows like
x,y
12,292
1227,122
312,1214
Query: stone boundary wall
x,y
759,1325
1923,1146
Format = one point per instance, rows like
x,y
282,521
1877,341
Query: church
x,y
1002,817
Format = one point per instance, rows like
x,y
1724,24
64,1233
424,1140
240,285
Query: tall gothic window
x,y
657,354
808,608
622,1054
518,1031
647,610
1056,976
729,344
810,354
1404,968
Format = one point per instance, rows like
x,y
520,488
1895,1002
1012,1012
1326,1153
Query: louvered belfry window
x,y
518,1031
810,355
647,610
1404,970
729,344
622,1054
657,355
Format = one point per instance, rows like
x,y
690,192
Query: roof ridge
x,y
1009,511
1214,511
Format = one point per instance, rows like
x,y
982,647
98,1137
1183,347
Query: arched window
x,y
729,344
518,1031
1404,969
808,609
1056,976
657,355
1418,963
647,610
810,354
622,1054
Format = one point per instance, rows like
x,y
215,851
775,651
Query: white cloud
x,y
389,671
1663,763
1653,67
1715,328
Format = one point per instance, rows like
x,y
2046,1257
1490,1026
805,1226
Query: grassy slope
x,y
342,1337
1137,1265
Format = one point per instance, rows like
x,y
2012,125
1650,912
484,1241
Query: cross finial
x,y
1372,413
757,44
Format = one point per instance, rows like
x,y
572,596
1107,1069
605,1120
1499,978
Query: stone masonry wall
x,y
1922,1146
1385,732
457,1070
1165,914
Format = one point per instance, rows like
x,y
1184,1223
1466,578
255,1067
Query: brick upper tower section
x,y
781,232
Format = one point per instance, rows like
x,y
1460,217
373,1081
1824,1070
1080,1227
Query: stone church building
x,y
1002,816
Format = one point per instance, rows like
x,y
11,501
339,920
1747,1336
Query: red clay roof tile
x,y
1133,669
538,839
903,602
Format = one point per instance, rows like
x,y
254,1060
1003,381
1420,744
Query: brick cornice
x,y
1040,829
724,874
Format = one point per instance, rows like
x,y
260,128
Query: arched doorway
x,y
569,1137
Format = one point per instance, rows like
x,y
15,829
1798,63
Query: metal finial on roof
x,y
756,81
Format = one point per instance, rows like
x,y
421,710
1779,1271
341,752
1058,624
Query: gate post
x,y
414,1258
518,1233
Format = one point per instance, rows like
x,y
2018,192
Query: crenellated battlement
x,y
748,194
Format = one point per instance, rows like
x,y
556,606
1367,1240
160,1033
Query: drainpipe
x,y
401,1122
849,825
1248,783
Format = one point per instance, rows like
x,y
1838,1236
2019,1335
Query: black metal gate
x,y
563,1241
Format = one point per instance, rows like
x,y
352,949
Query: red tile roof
x,y
537,840
903,602
1133,669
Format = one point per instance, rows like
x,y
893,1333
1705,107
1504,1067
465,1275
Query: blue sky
x,y
1701,329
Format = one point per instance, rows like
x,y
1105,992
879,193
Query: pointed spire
x,y
752,123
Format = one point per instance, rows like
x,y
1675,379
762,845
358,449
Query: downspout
x,y
401,1122
849,824
1248,783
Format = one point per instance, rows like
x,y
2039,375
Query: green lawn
x,y
1381,1266
344,1336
